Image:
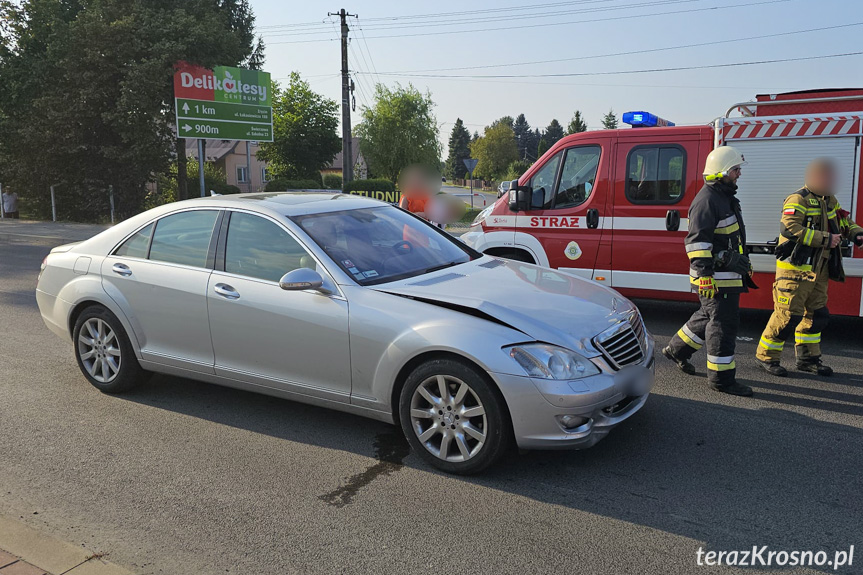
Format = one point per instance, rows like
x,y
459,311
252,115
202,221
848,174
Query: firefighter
x,y
719,271
807,256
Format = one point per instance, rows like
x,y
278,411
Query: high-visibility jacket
x,y
715,225
808,219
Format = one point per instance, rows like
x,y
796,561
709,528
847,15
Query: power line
x,y
630,52
365,63
549,24
485,18
442,14
640,71
366,44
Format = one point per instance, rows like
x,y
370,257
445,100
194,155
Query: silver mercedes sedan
x,y
350,303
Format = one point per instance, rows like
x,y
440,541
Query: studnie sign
x,y
223,103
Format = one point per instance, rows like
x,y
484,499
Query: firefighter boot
x,y
773,368
682,364
814,365
733,388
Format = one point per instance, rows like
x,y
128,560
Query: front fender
x,y
385,338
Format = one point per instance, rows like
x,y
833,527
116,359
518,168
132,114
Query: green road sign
x,y
224,130
223,103
209,110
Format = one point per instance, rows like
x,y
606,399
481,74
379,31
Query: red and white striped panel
x,y
749,128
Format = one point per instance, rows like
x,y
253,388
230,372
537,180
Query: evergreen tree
x,y
553,133
577,124
459,150
523,136
542,147
609,121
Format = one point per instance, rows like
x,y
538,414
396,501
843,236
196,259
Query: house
x,y
230,156
361,169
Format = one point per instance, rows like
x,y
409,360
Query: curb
x,y
51,554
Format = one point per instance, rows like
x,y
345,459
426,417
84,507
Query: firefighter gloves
x,y
707,287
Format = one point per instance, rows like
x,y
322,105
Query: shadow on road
x,y
685,467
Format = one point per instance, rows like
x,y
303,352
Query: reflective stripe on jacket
x,y
715,225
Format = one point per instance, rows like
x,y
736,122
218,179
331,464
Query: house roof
x,y
355,152
215,149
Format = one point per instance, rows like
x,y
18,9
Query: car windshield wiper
x,y
442,266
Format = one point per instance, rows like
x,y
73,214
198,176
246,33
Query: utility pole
x,y
347,88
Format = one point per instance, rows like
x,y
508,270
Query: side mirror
x,y
519,198
302,279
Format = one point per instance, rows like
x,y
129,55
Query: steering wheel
x,y
403,248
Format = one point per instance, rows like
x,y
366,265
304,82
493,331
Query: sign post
x,y
470,164
224,104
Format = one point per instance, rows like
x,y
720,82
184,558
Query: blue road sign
x,y
470,164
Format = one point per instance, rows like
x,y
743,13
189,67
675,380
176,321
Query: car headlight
x,y
482,215
551,362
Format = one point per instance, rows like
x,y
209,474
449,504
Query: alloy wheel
x,y
99,350
448,418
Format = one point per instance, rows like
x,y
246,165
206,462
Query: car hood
x,y
547,305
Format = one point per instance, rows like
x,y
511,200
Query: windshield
x,y
383,244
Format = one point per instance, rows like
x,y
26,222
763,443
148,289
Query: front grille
x,y
624,344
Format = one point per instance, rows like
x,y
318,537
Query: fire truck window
x,y
542,184
578,176
655,175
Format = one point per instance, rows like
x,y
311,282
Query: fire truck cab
x,y
612,205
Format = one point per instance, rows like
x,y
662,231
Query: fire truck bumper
x,y
574,414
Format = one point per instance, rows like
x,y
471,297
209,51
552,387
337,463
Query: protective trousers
x,y
799,306
715,323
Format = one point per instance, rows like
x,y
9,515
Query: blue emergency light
x,y
644,120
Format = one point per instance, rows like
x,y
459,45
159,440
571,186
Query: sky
x,y
420,43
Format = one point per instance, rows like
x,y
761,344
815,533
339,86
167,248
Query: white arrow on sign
x,y
186,107
187,127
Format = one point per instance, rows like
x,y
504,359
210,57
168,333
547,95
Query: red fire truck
x,y
612,205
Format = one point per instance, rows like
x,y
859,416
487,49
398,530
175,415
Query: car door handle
x,y
672,220
226,291
121,269
592,218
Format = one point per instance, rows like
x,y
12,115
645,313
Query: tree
x,y
398,130
553,133
506,120
609,121
256,59
459,150
517,168
87,92
524,138
577,124
304,131
542,147
495,150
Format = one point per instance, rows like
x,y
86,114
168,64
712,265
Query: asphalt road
x,y
184,477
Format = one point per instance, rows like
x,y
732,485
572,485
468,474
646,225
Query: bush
x,y
370,186
280,185
333,182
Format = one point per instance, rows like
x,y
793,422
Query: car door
x,y
655,185
159,278
569,195
262,334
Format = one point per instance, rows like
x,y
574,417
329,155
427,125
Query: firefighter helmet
x,y
720,161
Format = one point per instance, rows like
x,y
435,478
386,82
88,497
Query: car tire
x,y
104,353
472,421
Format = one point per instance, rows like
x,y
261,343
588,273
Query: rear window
x,y
137,245
654,174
